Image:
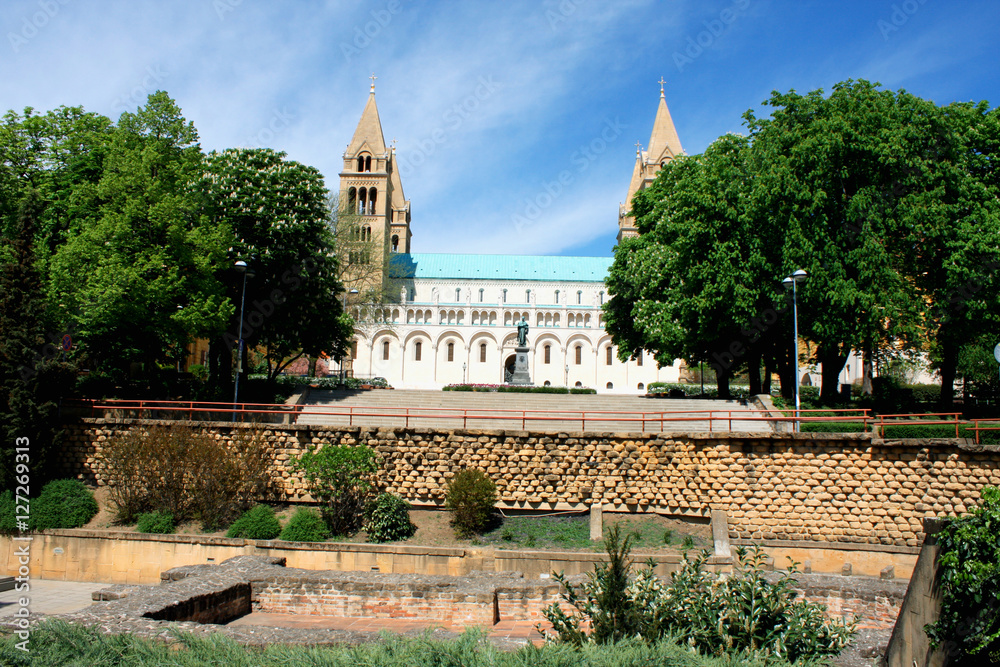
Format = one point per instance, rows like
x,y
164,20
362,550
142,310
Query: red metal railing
x,y
917,420
977,426
717,420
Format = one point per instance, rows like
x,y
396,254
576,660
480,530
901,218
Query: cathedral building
x,y
452,318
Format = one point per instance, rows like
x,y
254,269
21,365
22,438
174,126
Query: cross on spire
x,y
373,77
638,148
661,82
394,144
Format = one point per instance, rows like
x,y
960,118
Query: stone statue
x,y
522,332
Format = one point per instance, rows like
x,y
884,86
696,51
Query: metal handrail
x,y
976,427
915,419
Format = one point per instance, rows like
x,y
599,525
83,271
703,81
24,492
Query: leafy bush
x,y
343,479
156,522
743,614
306,525
389,519
187,474
471,498
259,523
832,427
8,512
969,624
63,503
582,390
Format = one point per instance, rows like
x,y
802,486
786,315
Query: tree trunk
x,y
949,368
833,361
722,376
753,372
312,365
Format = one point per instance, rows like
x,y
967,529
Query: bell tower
x,y
664,146
371,195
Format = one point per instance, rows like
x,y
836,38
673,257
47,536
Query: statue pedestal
x,y
521,375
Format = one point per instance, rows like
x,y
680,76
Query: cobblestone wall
x,y
813,487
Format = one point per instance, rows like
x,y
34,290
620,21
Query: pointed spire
x,y
663,142
368,135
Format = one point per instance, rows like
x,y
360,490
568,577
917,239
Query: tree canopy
x,y
887,201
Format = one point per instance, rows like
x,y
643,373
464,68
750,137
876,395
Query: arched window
x,y
451,352
579,297
366,233
352,199
372,197
481,290
505,296
361,163
578,384
482,353
640,386
557,297
579,354
395,243
610,386
547,384
362,201
548,354
638,359
368,163
527,296
610,354
458,294
385,351
416,351
602,297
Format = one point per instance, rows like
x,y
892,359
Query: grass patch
x,y
56,642
573,532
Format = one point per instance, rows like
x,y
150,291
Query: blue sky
x,y
489,101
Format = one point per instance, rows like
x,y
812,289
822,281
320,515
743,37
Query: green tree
x,y
276,211
136,278
31,374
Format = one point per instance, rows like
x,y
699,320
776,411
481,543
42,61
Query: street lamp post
x,y
791,283
463,372
241,267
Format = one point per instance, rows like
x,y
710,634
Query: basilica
x,y
452,318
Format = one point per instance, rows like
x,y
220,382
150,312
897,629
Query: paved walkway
x,y
48,596
523,631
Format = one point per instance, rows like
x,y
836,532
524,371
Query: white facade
x,y
449,331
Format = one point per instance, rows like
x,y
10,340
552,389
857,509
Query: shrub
x,y
155,522
63,503
187,474
743,614
306,525
389,519
343,479
969,624
259,523
471,498
8,512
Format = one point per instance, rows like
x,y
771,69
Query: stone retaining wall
x,y
783,486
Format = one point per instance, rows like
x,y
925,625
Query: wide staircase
x,y
532,412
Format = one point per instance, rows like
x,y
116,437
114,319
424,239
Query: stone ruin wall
x,y
800,487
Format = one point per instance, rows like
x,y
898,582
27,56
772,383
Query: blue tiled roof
x,y
500,267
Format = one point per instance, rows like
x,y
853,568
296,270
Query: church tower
x,y
371,196
664,146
